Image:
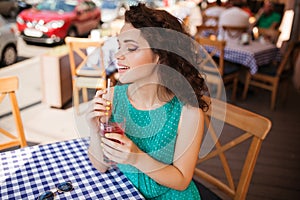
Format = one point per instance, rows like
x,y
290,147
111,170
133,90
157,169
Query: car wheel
x,y
13,13
9,55
72,32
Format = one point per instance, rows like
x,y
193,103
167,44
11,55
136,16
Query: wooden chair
x,y
228,71
207,31
233,181
268,76
82,78
270,35
9,86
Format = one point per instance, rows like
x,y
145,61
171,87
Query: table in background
x,y
251,56
26,173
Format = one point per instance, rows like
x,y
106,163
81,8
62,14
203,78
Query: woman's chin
x,y
123,78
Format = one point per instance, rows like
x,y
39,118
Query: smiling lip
x,y
122,68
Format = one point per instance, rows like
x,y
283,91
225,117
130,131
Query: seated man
x,y
268,21
267,18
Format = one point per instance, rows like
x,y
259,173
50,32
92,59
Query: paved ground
x,y
42,124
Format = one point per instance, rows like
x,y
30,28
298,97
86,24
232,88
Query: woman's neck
x,y
144,96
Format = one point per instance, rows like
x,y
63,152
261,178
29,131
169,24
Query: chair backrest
x,y
78,55
216,51
8,87
207,30
87,69
292,47
210,20
213,65
250,127
270,35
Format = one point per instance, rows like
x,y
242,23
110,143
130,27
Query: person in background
x,y
213,13
195,19
268,21
245,7
232,16
164,117
266,17
109,49
190,13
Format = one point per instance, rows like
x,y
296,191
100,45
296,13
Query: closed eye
x,y
132,49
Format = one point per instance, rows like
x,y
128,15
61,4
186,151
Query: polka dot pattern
x,y
154,132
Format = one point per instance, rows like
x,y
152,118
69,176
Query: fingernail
x,y
106,113
107,135
107,107
108,103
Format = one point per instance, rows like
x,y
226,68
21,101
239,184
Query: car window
x,y
109,4
67,6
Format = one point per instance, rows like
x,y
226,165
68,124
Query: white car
x,y
112,9
8,43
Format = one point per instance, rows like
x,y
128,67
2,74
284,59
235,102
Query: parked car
x,y
9,8
109,10
22,5
51,21
8,43
112,9
25,4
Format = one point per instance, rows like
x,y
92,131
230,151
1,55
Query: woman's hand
x,y
98,110
124,151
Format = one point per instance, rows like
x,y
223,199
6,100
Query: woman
x,y
160,97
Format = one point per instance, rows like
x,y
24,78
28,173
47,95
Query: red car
x,y
51,21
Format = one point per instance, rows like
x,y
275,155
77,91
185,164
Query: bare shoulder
x,y
191,112
191,118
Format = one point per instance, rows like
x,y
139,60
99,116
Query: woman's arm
x,y
176,176
97,112
95,152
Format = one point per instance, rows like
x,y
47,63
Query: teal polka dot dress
x,y
154,132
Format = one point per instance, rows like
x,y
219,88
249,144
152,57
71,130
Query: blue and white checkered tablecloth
x,y
252,56
26,173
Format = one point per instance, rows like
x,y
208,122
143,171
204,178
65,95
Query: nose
x,y
119,55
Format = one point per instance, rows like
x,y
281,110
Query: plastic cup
x,y
112,127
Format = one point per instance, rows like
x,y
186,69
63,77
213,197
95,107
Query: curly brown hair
x,y
168,38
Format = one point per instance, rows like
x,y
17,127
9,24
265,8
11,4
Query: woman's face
x,y
136,60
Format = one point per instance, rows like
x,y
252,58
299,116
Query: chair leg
x,y
246,86
286,91
84,94
76,99
18,120
273,97
234,89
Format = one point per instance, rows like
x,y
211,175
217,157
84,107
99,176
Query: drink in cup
x,y
111,127
117,126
